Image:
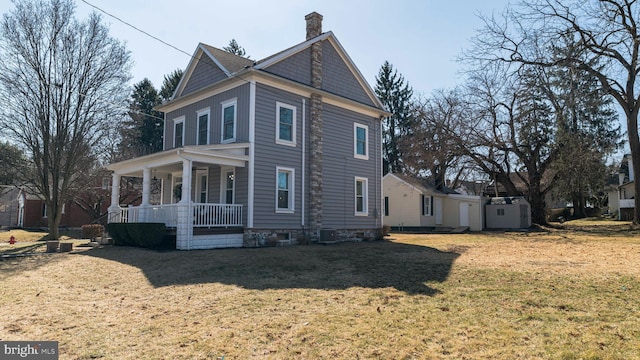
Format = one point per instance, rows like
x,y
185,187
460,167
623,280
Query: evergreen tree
x,y
170,84
587,128
142,133
234,48
396,95
12,163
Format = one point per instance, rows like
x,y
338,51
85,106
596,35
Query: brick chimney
x,y
314,25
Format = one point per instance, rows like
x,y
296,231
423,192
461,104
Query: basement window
x,y
500,212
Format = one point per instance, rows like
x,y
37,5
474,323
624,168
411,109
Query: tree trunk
x,y
578,206
509,186
634,144
536,200
54,215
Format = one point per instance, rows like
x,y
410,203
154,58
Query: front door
x,y
437,204
227,185
202,187
464,214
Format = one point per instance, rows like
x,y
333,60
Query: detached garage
x,y
508,213
410,204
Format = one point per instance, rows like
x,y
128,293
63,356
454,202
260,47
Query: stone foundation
x,y
273,237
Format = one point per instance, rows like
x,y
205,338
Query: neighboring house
x,y
508,213
622,197
282,149
9,206
496,189
21,208
477,188
411,204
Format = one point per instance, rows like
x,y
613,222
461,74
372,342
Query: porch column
x,y
184,227
146,187
114,209
146,195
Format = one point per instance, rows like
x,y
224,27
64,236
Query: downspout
x,y
252,153
379,172
304,150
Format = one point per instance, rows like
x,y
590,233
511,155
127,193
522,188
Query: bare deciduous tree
x,y
62,83
607,39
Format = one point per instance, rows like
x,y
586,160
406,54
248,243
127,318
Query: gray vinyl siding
x,y
340,169
241,93
296,67
205,73
338,79
214,184
269,156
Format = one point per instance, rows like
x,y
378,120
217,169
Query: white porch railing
x,y
204,215
627,203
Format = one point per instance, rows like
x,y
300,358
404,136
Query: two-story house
x,y
281,149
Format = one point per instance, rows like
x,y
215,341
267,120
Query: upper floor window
x,y
203,127
361,196
284,189
360,141
229,114
178,132
286,124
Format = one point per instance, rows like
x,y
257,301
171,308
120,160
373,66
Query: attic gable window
x,y
285,124
229,115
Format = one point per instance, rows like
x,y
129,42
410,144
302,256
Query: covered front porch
x,y
197,194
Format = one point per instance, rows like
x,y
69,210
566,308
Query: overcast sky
x,y
421,38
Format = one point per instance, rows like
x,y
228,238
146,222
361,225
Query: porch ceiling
x,y
171,160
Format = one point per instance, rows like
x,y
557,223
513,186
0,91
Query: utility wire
x,y
136,28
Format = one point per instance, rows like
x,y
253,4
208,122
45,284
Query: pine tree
x,y
396,95
234,48
170,84
587,128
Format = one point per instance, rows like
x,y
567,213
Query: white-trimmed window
x,y
44,209
285,124
203,126
178,132
361,196
227,188
229,115
426,205
285,189
360,141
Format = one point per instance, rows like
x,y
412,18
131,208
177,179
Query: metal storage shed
x,y
508,213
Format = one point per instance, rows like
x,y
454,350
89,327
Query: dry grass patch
x,y
557,294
